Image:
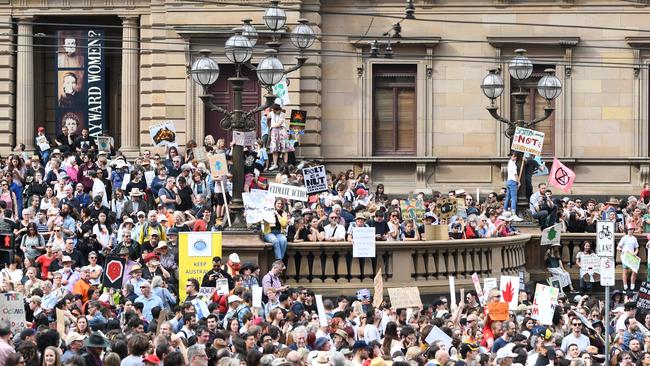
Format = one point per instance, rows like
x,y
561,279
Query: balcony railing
x,y
330,269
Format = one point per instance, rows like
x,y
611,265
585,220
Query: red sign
x,y
113,272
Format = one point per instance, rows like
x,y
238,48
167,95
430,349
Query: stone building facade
x,y
416,121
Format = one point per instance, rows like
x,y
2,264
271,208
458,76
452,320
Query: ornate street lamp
x,y
270,70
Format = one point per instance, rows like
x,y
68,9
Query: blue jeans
x,y
511,196
279,242
45,156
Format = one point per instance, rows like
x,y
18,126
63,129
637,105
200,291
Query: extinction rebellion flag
x,y
113,272
560,176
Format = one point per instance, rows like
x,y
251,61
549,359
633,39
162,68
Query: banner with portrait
x,y
80,82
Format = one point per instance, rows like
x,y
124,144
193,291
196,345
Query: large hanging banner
x,y
80,83
195,253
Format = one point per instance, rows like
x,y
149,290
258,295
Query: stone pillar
x,y
130,121
25,84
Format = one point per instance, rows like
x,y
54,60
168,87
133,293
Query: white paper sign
x,y
607,271
544,304
244,138
589,264
222,286
257,296
259,206
605,239
510,291
149,176
125,182
315,179
528,141
489,284
163,134
289,192
363,242
42,142
436,334
13,310
322,316
452,292
551,235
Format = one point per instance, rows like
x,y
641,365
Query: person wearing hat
x,y
68,275
120,170
279,139
95,345
628,243
42,144
359,221
237,308
135,203
74,343
340,338
247,269
153,268
136,279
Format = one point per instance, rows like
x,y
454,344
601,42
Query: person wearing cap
x,y
468,352
42,144
628,243
237,308
74,343
361,200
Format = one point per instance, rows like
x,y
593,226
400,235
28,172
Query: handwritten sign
x,y
222,287
244,138
589,264
544,304
12,309
363,242
288,192
631,261
379,289
643,300
207,291
405,297
163,134
477,286
436,334
528,141
200,154
315,179
498,310
259,206
218,165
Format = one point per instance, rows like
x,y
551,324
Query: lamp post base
x,y
237,219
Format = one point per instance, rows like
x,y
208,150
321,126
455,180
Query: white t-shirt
x,y
512,170
628,243
582,341
99,189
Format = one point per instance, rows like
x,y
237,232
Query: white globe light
x,y
238,48
302,35
270,71
549,86
520,66
249,31
492,85
205,71
274,17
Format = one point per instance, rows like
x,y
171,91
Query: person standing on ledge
x,y
512,184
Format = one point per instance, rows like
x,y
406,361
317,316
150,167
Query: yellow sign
x,y
195,253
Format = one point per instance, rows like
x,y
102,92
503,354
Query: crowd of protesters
x,y
72,206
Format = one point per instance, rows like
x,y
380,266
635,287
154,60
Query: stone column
x,y
130,121
25,84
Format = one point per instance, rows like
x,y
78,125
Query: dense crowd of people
x,y
70,207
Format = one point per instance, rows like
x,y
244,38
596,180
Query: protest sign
x,y
125,182
207,291
244,138
560,176
452,292
113,272
405,297
281,90
322,316
287,191
542,169
297,122
436,232
498,310
200,154
631,261
149,176
510,291
12,308
477,286
259,206
379,289
436,334
60,322
42,142
315,179
527,141
363,242
605,238
163,134
489,284
643,299
551,235
446,208
257,296
201,308
607,271
218,165
589,265
544,304
195,252
584,320
412,209
103,144
222,287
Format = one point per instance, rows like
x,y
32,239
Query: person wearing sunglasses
x,y
334,231
575,337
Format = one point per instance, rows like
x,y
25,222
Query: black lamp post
x,y
521,68
270,70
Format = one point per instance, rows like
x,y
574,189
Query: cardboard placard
x,y
289,192
551,235
436,232
163,134
498,310
315,179
13,310
631,261
218,165
405,297
363,242
379,289
244,138
528,141
446,208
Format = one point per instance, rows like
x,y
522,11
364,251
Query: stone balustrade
x,y
330,269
